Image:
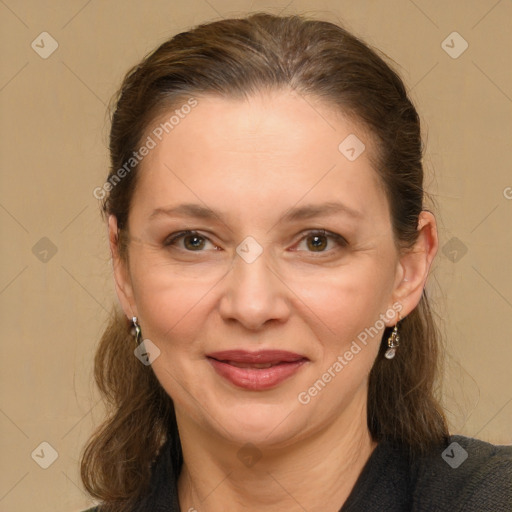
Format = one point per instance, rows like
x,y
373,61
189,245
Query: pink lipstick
x,y
256,371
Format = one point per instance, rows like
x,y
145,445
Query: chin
x,y
261,424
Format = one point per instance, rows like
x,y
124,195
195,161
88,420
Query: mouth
x,y
256,371
257,366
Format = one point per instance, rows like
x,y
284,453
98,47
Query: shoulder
x,y
467,475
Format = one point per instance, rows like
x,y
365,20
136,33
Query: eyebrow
x,y
292,215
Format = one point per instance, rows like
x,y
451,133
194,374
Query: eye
x,y
192,241
318,240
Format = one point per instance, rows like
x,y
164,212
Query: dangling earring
x,y
136,331
393,342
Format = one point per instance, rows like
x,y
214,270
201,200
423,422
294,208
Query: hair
x,y
236,58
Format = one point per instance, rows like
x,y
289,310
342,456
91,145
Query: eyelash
x,y
338,239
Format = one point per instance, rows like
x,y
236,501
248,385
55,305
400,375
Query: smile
x,y
256,371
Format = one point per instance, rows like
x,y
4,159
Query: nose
x,y
254,294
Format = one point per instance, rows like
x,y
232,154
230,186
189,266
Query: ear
x,y
122,279
414,265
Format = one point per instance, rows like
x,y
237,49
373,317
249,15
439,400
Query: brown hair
x,y
236,58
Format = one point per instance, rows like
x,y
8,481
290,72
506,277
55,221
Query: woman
x,y
270,246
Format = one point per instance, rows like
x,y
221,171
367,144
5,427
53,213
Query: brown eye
x,y
193,242
318,241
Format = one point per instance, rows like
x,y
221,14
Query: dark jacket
x,y
466,475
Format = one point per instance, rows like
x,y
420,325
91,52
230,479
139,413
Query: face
x,y
262,265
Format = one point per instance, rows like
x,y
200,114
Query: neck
x,y
315,473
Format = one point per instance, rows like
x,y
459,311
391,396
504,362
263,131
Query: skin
x,y
251,161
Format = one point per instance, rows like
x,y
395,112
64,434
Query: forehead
x,y
268,149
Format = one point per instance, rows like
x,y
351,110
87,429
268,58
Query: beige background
x,y
53,154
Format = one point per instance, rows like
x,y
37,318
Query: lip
x,y
242,368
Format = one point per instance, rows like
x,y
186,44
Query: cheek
x,y
173,312
167,295
348,299
170,312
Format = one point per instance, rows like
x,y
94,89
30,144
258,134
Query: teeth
x,y
249,365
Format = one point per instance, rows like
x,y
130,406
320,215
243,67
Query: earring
x,y
393,342
136,331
